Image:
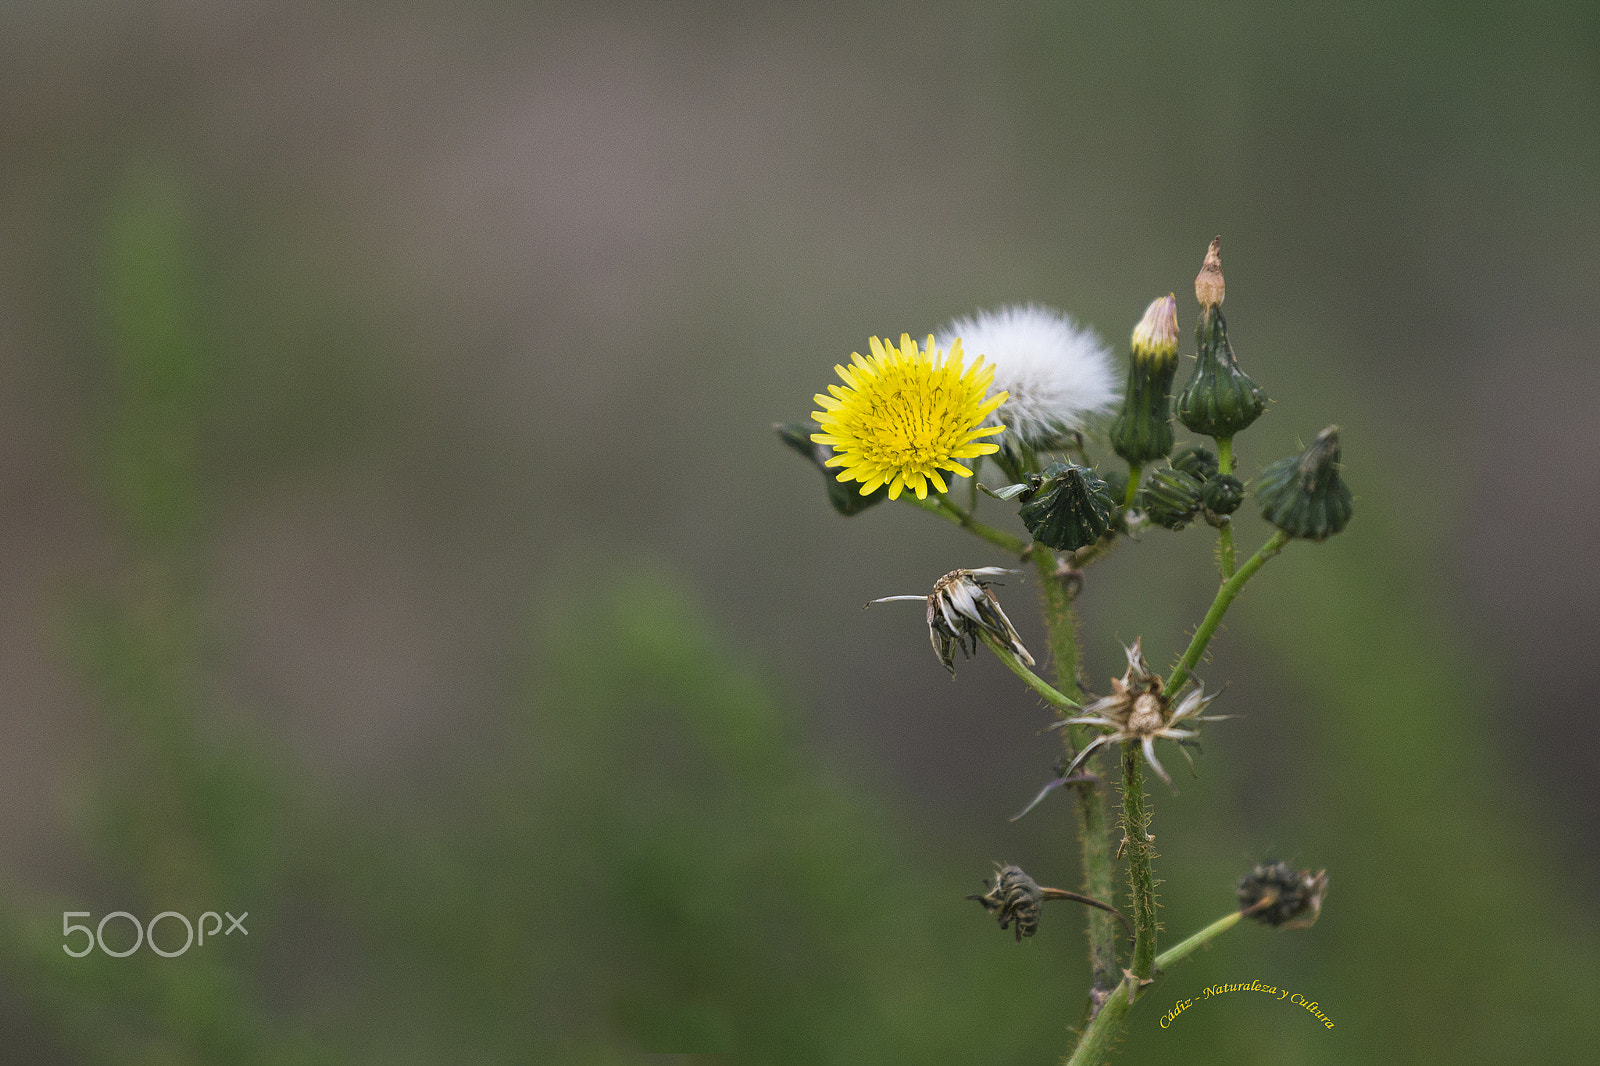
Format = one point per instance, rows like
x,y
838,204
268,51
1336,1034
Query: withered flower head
x,y
960,609
1138,710
1014,897
1279,895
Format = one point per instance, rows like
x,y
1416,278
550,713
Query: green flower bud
x,y
1142,432
1199,463
1067,507
1304,495
844,497
1220,400
1222,494
1170,497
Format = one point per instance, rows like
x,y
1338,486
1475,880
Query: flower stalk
x,y
1219,607
1136,841
1089,806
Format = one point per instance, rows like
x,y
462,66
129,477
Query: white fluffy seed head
x,y
1057,372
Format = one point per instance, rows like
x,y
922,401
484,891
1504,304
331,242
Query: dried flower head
x,y
1014,897
1055,373
906,414
1138,710
1279,895
960,609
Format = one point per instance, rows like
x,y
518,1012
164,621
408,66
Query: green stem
x,y
1136,838
1219,606
938,505
1094,837
1029,678
1183,949
1225,537
1135,470
1102,1032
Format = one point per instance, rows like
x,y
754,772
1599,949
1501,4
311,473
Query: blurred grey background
x,y
492,307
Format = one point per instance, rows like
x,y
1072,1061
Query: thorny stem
x,y
938,505
1219,606
1029,678
1102,1032
1136,830
1094,837
1225,537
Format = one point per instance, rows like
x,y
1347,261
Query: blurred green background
x,y
397,549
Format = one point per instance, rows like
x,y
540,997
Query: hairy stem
x,y
1136,838
1225,536
1219,606
1094,838
1102,1032
938,505
1029,678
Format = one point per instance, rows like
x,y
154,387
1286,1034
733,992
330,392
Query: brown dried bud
x,y
1208,286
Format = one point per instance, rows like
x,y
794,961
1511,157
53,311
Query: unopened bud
x,y
1142,431
1067,507
1304,495
1170,497
1156,335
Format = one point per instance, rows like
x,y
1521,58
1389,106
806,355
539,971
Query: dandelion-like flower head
x,y
906,414
1056,373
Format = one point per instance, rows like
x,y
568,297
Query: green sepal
x,y
1222,494
1220,400
1142,432
1304,495
1199,463
844,495
1067,507
1170,498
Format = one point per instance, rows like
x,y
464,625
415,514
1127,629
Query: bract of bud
x,y
1199,463
1170,497
1220,400
844,497
1304,495
1222,494
1067,507
1142,431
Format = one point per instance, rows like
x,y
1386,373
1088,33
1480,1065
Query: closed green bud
x,y
845,499
1170,497
1222,494
1220,400
1067,507
1304,495
1142,432
1199,463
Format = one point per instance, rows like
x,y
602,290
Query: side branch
x,y
938,505
1219,607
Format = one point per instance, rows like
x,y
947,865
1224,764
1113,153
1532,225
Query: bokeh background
x,y
396,547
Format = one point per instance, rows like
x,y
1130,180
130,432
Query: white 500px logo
x,y
142,933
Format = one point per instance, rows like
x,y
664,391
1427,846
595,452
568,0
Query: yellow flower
x,y
904,415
